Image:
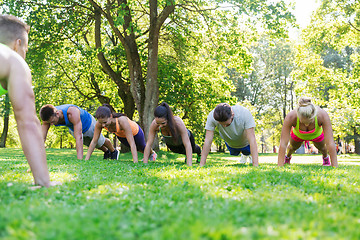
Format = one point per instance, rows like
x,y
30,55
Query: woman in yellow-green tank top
x,y
307,123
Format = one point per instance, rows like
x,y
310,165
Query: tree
x,y
6,116
269,88
329,64
126,35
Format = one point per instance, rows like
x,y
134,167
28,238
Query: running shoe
x,y
250,159
326,161
115,154
243,159
153,156
107,154
287,159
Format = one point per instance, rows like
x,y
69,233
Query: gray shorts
x,y
89,134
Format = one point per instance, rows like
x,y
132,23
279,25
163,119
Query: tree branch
x,y
357,29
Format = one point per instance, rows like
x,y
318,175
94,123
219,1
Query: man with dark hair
x,y
15,79
81,126
237,127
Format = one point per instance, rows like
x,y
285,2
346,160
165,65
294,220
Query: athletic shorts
x,y
297,139
139,139
237,151
89,134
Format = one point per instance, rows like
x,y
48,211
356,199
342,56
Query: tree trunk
x,y
292,96
357,141
152,84
61,140
6,122
285,99
123,88
156,145
128,40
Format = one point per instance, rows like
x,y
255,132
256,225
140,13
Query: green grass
x,y
167,200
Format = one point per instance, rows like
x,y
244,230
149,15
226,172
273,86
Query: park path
x,y
306,159
310,159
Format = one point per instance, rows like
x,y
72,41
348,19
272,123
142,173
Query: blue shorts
x,y
237,151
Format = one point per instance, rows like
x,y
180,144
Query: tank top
x,y
169,140
310,135
85,117
2,90
121,132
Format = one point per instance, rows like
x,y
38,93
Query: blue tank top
x,y
85,117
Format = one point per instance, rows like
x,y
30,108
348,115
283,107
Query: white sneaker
x,y
250,159
243,159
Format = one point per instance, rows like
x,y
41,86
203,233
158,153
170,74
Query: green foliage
x,y
167,200
328,64
268,88
71,65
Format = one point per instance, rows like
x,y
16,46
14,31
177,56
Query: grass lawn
x,y
102,199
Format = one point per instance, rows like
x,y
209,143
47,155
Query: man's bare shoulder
x,y
10,60
5,56
73,113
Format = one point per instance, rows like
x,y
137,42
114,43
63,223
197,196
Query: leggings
x,y
181,148
139,139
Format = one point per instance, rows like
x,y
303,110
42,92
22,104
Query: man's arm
x,y
28,125
44,129
74,118
250,135
207,146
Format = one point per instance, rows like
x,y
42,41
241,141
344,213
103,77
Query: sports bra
x,y
121,133
316,132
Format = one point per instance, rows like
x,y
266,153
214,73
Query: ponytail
x,y
164,111
106,110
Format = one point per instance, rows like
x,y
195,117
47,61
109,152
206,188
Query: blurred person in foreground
x,y
15,79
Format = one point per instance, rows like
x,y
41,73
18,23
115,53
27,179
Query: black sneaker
x,y
115,154
107,154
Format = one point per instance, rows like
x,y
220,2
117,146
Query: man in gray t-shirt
x,y
236,126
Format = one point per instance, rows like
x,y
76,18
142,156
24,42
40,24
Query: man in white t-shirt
x,y
236,126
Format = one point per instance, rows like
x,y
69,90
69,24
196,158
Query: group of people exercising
x,y
235,124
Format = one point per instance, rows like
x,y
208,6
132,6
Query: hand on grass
x,y
52,183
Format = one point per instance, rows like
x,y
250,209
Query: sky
x,y
303,11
